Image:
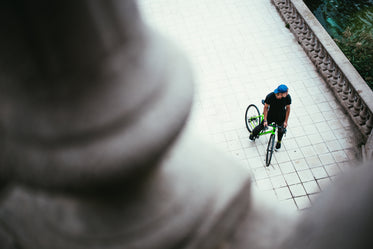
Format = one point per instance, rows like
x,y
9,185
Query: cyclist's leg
x,y
256,131
280,133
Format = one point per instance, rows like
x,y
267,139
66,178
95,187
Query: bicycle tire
x,y
270,148
252,117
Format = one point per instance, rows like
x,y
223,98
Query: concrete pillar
x,y
93,152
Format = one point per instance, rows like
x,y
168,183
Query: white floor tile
x,y
326,159
306,175
264,184
324,183
311,187
297,190
340,156
332,169
302,202
278,181
283,193
292,178
300,164
319,173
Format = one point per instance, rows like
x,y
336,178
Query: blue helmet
x,y
281,89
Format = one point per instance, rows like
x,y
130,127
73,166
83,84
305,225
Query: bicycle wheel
x,y
270,148
252,117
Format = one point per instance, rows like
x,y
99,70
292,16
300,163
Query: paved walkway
x,y
240,51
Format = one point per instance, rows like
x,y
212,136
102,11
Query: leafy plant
x,y
358,48
349,22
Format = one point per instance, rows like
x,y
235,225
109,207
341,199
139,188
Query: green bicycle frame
x,y
271,130
254,123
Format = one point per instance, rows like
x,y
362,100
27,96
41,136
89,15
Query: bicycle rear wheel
x,y
252,117
270,148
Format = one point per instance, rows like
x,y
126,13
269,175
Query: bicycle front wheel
x,y
270,148
252,117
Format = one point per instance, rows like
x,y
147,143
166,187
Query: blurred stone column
x,y
92,148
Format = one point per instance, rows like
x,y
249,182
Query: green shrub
x,y
358,48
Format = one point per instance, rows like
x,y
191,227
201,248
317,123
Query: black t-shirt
x,y
277,110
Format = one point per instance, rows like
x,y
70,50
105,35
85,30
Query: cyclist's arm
x,y
265,113
287,116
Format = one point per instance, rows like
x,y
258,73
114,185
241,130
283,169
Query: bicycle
x,y
252,119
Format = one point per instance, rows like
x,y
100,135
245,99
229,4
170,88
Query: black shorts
x,y
278,119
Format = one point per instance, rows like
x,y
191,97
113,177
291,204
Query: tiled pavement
x,y
240,50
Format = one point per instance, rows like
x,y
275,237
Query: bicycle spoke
x,y
252,117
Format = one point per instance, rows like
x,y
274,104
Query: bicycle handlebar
x,y
274,125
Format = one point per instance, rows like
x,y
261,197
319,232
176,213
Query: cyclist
x,y
276,109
